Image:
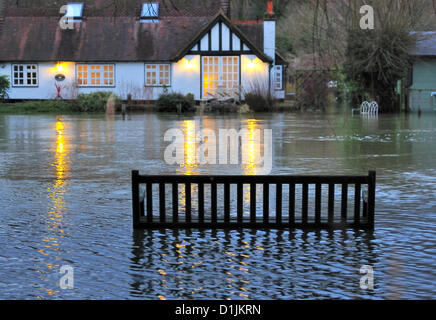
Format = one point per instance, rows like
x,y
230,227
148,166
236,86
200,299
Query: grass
x,y
30,107
70,107
89,103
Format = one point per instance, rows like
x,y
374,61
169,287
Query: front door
x,y
220,72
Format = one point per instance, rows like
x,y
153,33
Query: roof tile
x,y
31,31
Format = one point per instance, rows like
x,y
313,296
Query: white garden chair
x,y
373,108
209,97
364,108
232,94
369,108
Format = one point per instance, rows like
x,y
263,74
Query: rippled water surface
x,y
65,199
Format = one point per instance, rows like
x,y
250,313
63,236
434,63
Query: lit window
x,y
157,75
25,75
278,77
74,10
150,12
95,75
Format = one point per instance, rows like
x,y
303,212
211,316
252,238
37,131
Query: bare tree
x,y
328,31
376,59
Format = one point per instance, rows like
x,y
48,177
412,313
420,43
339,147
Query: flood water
x,y
65,199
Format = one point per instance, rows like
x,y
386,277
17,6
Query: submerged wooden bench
x,y
158,201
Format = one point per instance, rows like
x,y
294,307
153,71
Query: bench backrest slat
x,y
143,204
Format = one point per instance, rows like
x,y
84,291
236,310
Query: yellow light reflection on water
x,y
190,165
252,148
56,195
190,148
251,152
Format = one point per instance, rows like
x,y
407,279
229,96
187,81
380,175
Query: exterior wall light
x,y
252,62
59,67
188,62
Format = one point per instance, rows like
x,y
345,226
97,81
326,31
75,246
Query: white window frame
x,y
158,72
278,77
103,75
25,74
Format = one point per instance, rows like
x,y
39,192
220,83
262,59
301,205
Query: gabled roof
x,y
102,39
255,43
111,31
425,44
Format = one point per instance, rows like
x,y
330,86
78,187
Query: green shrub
x,y
170,102
94,102
4,87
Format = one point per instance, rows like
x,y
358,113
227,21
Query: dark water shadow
x,y
250,264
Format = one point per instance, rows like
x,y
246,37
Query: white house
x,y
135,47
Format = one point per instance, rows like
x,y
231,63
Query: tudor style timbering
x,y
221,39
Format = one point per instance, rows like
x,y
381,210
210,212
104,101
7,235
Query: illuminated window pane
x,y
220,72
96,74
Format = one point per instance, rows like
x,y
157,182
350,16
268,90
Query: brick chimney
x,y
270,8
225,5
269,31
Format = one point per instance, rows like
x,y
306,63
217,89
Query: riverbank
x,y
70,107
96,102
32,107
